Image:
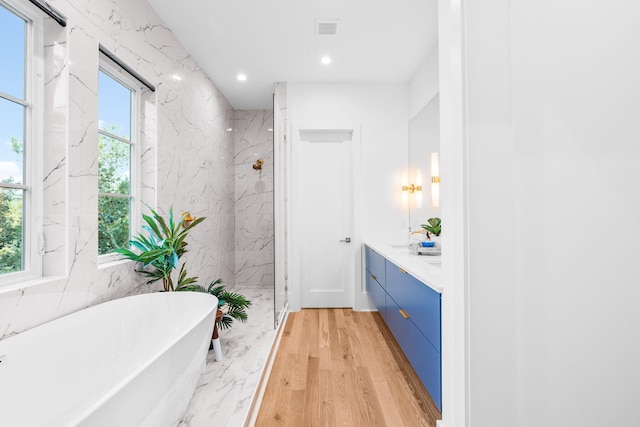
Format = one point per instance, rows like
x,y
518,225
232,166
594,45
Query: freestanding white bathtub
x,y
134,361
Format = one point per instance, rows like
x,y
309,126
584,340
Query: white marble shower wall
x,y
254,259
187,158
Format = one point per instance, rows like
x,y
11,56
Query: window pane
x,y
113,223
114,106
11,141
113,165
12,47
11,232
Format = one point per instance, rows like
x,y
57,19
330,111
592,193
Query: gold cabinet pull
x,y
405,315
374,277
401,270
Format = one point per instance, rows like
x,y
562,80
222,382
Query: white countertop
x,y
425,268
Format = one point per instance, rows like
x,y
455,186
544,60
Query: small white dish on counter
x,y
429,251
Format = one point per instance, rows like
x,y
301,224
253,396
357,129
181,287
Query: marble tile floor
x,y
224,391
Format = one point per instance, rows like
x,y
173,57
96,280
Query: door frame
x,y
298,236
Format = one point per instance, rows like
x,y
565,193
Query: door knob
x,y
346,240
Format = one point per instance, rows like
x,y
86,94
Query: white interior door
x,y
325,204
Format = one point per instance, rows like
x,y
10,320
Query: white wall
x,y
424,84
381,111
553,207
424,135
187,158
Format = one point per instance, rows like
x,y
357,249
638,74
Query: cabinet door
x,y
377,294
375,265
418,300
423,356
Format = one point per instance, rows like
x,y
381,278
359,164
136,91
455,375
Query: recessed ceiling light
x,y
326,60
242,77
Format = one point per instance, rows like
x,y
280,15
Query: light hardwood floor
x,y
337,367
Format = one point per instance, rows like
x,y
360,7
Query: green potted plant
x,y
433,229
160,250
231,305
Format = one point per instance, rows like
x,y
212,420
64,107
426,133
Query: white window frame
x,y
33,240
122,77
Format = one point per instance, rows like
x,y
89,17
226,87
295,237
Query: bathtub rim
x,y
84,414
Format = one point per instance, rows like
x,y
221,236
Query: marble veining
x,y
187,159
254,233
224,392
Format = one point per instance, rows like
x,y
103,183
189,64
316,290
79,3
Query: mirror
x,y
424,139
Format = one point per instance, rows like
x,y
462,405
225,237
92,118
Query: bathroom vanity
x,y
406,290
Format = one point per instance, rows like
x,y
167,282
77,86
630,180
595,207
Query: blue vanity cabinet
x,y
414,316
412,312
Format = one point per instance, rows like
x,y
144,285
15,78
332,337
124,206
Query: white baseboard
x,y
256,400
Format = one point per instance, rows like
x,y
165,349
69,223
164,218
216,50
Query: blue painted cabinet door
x,y
375,265
418,300
377,294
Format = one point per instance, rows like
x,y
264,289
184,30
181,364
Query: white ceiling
x,y
275,41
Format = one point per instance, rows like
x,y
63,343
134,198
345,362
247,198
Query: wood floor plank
x,y
299,347
368,399
339,312
390,410
336,367
281,411
326,398
323,328
270,413
342,393
312,398
324,339
354,325
295,416
372,351
311,331
337,344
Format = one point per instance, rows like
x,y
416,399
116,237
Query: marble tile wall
x,y
254,256
187,159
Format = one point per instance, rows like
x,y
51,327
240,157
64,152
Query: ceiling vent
x,y
327,27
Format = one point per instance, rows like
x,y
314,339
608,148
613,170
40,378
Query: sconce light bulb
x,y
435,166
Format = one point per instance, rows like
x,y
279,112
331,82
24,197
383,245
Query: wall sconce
x,y
411,188
187,219
435,180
